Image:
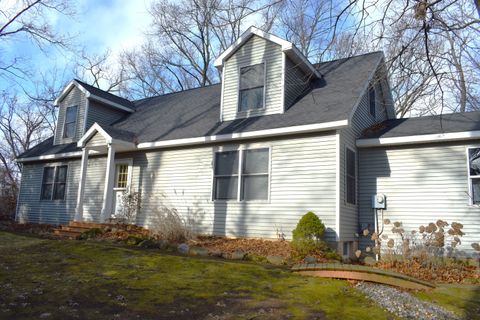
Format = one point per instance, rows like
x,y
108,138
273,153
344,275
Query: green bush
x,y
307,236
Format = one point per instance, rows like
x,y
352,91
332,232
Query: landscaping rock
x,y
276,260
310,259
238,255
163,244
402,303
45,315
198,251
183,248
370,261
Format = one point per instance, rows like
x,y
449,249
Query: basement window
x,y
70,122
474,174
54,183
252,87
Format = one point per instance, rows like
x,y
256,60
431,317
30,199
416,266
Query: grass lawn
x,y
91,280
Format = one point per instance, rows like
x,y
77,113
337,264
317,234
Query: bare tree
x,y
29,19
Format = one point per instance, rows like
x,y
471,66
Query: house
x,y
279,136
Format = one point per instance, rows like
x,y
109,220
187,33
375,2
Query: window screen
x,y
226,175
474,174
252,82
70,122
351,177
255,174
54,183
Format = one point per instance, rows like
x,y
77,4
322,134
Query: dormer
x,y
81,105
262,74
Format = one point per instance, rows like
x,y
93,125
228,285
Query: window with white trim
x,y
54,183
351,176
474,174
250,166
252,85
70,122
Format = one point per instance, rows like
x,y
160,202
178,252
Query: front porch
x,y
105,141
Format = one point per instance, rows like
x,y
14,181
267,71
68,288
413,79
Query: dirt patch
x,y
45,230
257,247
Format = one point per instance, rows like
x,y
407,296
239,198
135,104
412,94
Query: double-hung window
x,y
351,176
250,166
54,183
252,85
70,122
474,174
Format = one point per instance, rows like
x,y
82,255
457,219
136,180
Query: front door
x,y
121,187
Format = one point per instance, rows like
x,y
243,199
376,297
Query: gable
x,y
72,97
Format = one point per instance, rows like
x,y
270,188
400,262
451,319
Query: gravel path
x,y
402,303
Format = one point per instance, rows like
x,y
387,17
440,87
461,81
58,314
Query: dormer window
x,y
70,122
252,87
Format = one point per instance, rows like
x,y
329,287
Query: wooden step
x,y
86,225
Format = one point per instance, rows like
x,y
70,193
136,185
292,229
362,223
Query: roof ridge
x,y
95,88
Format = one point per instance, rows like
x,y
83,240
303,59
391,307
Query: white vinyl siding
x,y
296,82
301,179
255,51
361,120
74,98
422,183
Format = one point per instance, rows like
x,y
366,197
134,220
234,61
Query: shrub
x,y
307,236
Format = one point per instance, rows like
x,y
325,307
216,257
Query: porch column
x,y
108,190
81,185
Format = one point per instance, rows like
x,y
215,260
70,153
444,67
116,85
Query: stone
x,y
238,255
45,315
183,248
163,244
198,251
369,261
276,260
310,259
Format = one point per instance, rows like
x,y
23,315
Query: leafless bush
x,y
130,206
430,243
168,224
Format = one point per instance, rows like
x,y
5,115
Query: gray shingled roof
x,y
445,123
196,112
106,95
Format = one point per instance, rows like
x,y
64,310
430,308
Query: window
x,y
252,86
351,177
70,122
121,176
371,99
474,174
54,183
254,172
226,175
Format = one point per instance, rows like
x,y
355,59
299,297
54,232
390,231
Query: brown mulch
x,y
32,228
257,247
448,273
121,232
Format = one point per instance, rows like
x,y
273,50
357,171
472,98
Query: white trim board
x,y
318,127
416,139
287,47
